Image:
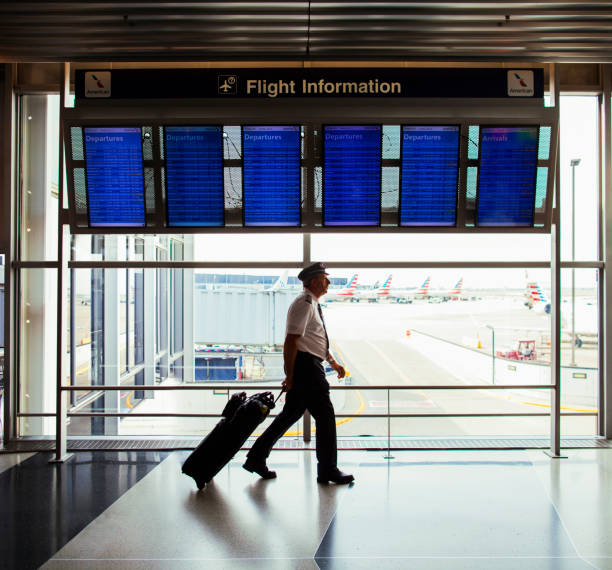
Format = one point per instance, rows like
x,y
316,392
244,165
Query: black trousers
x,y
310,391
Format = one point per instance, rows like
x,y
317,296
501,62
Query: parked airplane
x,y
347,293
536,299
379,294
584,326
423,291
455,293
280,283
404,295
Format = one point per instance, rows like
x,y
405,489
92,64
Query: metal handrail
x,y
272,387
194,415
275,387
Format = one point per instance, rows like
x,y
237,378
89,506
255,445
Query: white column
x,y
38,311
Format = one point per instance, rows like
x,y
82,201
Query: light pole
x,y
573,163
492,352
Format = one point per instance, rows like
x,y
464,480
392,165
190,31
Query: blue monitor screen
x,y
351,175
115,187
429,175
271,175
507,176
194,176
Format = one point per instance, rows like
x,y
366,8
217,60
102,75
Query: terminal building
x,y
166,171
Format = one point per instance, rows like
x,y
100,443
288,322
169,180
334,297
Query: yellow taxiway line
x,y
542,405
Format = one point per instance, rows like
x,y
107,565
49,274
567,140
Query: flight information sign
x,y
194,176
352,175
271,175
429,175
507,176
115,185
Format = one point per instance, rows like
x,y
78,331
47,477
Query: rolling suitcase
x,y
240,417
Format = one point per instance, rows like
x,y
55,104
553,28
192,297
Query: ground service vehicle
x,y
524,351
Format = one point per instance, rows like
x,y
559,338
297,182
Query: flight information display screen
x,y
271,175
429,175
194,176
352,175
115,185
507,176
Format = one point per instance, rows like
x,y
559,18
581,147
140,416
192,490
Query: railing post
x,y
555,307
389,456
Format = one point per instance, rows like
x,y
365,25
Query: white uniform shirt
x,y
303,319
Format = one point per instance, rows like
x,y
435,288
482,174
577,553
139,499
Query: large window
x,y
403,327
579,183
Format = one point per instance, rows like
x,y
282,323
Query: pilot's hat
x,y
308,272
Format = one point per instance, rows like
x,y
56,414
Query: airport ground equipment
x,y
240,417
524,351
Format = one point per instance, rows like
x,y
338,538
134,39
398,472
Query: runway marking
x,y
566,408
394,366
390,363
539,404
402,404
362,405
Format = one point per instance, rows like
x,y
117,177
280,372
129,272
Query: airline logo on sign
x,y
227,84
97,84
520,83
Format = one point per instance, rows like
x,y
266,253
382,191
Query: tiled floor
x,y
422,509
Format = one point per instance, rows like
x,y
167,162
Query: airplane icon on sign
x,y
227,84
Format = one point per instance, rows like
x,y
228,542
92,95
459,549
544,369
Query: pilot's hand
x,y
287,383
339,369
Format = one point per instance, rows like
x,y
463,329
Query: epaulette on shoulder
x,y
308,299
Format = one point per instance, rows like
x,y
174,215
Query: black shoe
x,y
260,468
200,483
335,476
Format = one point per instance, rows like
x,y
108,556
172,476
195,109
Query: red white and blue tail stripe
x,y
423,290
385,289
536,294
456,290
351,287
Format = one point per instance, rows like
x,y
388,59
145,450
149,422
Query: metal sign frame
x,y
154,115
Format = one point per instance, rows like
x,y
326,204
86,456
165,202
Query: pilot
x,y
306,346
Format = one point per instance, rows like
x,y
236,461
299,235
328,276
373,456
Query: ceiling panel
x,y
433,31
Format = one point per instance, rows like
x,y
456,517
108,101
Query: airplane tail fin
x,y
281,282
385,288
456,291
352,283
535,293
423,290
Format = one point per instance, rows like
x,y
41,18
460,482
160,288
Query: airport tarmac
x,y
371,340
385,356
467,323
